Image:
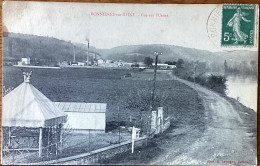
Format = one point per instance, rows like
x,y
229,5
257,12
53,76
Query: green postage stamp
x,y
238,25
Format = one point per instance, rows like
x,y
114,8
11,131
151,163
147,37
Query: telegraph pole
x,y
154,80
119,139
154,75
89,140
195,68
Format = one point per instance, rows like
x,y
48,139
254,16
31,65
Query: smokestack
x,y
74,59
88,54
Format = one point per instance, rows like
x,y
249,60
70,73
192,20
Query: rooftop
x,y
82,107
26,106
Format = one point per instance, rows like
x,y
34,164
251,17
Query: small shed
x,y
84,116
30,121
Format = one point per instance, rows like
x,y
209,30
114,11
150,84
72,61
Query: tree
x,y
180,63
217,83
140,100
148,61
135,65
170,63
226,67
253,64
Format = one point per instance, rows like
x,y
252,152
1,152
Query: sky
x,y
186,25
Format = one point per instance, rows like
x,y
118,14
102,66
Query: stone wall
x,y
94,156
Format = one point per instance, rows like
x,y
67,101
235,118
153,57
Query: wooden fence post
x,y
40,142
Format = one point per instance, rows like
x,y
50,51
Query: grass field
x,y
102,86
106,86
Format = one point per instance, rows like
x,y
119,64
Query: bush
x,y
135,65
217,83
213,82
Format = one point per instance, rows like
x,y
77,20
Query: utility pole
x,y
89,140
154,75
154,80
195,68
119,139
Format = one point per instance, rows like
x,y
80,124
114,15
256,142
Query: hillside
x,y
16,46
173,53
52,49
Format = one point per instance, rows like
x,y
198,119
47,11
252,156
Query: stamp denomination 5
x,y
238,25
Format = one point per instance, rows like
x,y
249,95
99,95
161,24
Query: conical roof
x,y
26,106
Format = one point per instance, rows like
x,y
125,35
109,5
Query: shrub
x,y
213,82
217,83
135,65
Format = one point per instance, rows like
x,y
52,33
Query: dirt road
x,y
223,133
226,139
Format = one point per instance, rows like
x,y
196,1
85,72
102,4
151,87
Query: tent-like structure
x,y
28,113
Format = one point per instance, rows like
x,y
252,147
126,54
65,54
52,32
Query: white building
x,y
81,63
164,66
24,61
100,61
84,116
109,61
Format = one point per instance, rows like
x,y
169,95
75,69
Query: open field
x,y
198,117
103,86
106,86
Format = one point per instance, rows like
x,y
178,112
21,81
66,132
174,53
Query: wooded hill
x,y
16,46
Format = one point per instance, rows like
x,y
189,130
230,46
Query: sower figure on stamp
x,y
234,22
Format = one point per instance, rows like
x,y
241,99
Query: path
x,y
226,139
224,133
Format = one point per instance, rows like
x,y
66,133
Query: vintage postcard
x,y
153,84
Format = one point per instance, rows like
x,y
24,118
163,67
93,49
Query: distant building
x,y
81,63
84,116
24,61
171,66
73,63
141,64
100,61
164,66
64,63
126,64
109,61
120,64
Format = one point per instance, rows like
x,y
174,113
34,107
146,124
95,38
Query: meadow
x,y
104,85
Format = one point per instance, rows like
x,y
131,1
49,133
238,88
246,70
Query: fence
x,y
97,155
160,123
